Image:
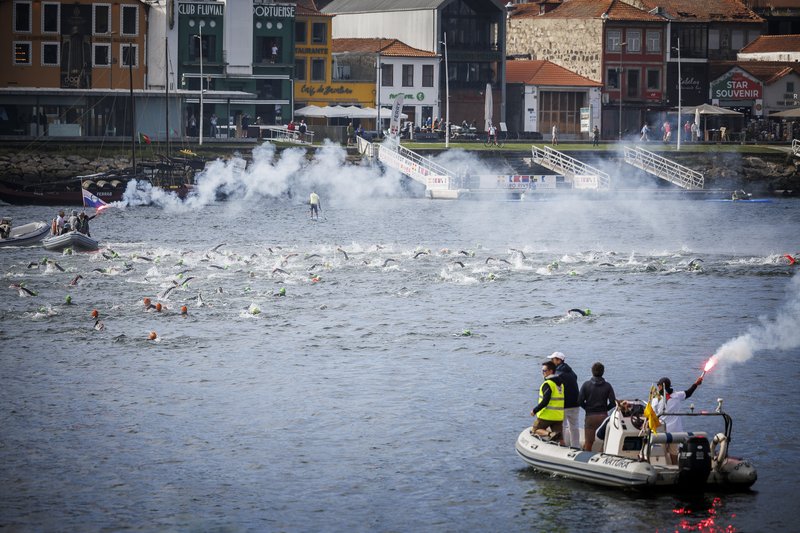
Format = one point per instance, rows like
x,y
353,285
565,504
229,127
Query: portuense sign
x,y
736,85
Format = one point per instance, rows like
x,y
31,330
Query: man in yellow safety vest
x,y
549,412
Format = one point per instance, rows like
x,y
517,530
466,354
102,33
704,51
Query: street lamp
x,y
200,38
446,96
679,92
619,84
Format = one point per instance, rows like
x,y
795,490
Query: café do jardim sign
x,y
736,84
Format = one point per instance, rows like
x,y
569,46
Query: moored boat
x,y
632,456
26,234
71,239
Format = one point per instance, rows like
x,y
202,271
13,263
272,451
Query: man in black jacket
x,y
571,410
596,397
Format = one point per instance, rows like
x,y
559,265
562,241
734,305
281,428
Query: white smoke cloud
x,y
273,175
780,333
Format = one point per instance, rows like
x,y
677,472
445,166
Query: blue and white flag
x,y
90,200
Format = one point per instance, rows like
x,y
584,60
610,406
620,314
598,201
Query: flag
x,y
650,413
397,109
144,138
90,200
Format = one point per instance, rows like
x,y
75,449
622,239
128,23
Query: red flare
x,y
709,364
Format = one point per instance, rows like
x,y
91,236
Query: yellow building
x,y
315,83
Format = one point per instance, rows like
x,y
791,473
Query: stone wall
x,y
33,167
576,45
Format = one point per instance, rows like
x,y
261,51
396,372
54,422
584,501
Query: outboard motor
x,y
694,461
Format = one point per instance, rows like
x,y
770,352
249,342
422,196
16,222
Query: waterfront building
x,y
474,33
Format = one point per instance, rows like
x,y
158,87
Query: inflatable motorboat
x,y
633,456
24,235
71,239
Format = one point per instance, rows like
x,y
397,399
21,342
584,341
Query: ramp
x,y
439,181
664,168
581,175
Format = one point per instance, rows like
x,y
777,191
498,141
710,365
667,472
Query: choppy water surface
x,y
358,401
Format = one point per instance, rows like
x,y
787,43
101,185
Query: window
x,y
209,48
790,87
387,75
264,47
101,18
51,18
101,55
300,69
614,41
319,33
427,75
317,70
130,22
737,40
653,80
50,54
22,53
653,41
612,78
22,17
634,40
130,55
634,87
408,75
713,39
300,32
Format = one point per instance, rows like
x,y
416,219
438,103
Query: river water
x,y
385,390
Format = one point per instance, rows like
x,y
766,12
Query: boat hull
x,y
26,235
73,239
622,472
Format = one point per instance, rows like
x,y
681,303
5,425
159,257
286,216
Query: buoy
x,y
153,336
68,300
147,302
184,310
158,307
466,333
95,314
282,291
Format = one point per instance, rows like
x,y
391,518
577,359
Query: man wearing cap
x,y
669,401
549,412
572,435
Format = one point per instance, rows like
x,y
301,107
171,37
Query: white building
x,y
403,70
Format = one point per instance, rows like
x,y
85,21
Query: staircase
x,y
580,174
439,181
664,168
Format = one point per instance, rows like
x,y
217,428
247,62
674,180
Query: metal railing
x,y
664,168
569,166
408,162
282,134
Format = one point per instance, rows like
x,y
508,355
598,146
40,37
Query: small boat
x,y
632,456
26,234
740,194
71,239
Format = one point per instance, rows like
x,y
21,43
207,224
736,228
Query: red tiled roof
x,y
588,9
542,72
309,8
766,71
773,43
704,10
387,47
